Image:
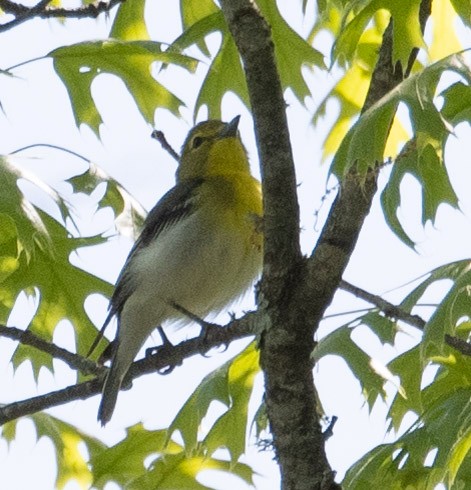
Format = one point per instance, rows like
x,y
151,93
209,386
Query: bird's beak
x,y
230,129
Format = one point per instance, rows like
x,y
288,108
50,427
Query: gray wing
x,y
176,204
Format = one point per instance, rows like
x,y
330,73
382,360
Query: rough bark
x,y
294,292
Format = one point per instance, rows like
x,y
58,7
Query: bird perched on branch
x,y
200,247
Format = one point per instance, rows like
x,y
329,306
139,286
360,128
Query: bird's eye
x,y
197,140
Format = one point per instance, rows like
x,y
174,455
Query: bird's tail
x,y
110,393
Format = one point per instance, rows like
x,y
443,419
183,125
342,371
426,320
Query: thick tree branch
x,y
353,202
287,343
164,360
281,211
42,10
393,311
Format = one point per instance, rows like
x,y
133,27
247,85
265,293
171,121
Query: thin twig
x,y
393,311
25,15
44,11
74,361
389,309
160,137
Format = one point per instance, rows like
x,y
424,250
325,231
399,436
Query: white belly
x,y
194,264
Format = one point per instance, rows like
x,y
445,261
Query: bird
x,y
200,248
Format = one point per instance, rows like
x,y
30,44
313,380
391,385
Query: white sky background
x,y
37,110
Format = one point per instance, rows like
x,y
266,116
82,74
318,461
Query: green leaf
x,y
127,463
457,103
417,92
260,420
30,228
351,89
406,28
291,50
193,11
428,169
180,471
224,75
423,158
463,9
68,443
409,367
34,259
129,23
78,65
232,385
444,428
451,311
451,271
340,343
8,247
394,466
124,461
129,213
188,420
452,410
230,430
197,31
8,431
383,327
60,290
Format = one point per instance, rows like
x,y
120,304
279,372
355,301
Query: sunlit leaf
x,y
78,65
193,11
231,428
129,23
406,28
232,385
8,246
417,92
291,50
424,156
68,444
350,91
147,460
67,440
444,37
224,75
124,461
60,290
180,471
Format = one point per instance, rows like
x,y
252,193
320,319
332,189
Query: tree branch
x,y
74,361
287,343
281,211
164,360
348,212
393,311
42,10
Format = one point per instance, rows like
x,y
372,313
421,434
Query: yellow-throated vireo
x,y
200,247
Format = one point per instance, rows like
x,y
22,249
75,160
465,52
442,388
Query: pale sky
x,y
37,111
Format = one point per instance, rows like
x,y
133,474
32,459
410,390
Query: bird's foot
x,y
166,344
